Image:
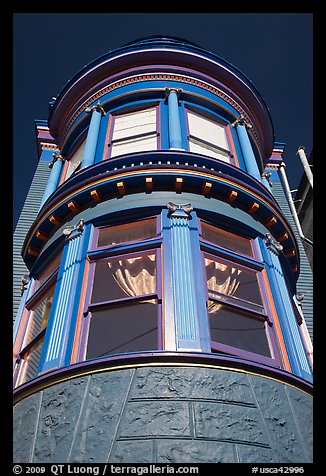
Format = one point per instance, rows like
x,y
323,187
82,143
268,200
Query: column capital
x,y
241,121
72,231
272,245
169,90
181,210
98,107
56,156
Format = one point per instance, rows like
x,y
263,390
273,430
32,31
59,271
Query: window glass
x,y
134,123
136,144
207,130
118,278
205,149
237,329
134,132
124,329
140,230
38,319
226,239
75,161
31,361
227,279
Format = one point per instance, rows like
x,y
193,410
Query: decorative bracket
x,y
74,230
273,245
181,210
242,122
25,281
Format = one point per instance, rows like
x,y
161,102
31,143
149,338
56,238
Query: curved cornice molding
x,y
157,171
87,85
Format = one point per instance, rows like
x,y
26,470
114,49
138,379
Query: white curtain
x,y
135,276
221,278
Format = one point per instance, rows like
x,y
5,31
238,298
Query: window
x,y
134,132
124,303
238,318
207,137
30,353
75,161
34,324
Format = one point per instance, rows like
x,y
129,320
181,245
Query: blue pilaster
x,y
187,307
52,184
292,337
92,136
175,136
66,292
246,149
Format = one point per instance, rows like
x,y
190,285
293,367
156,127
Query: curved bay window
x,y
239,319
124,306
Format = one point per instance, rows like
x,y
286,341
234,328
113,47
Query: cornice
x,y
85,190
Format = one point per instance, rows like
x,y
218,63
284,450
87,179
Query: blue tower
x,y
159,316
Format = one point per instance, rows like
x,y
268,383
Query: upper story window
x,y
75,160
134,132
239,317
207,137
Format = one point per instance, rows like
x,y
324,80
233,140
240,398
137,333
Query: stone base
x,y
165,414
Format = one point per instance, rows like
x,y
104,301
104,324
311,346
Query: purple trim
x,y
144,358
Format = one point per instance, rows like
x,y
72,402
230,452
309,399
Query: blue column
x,y
188,308
175,135
56,167
247,153
63,312
92,135
270,250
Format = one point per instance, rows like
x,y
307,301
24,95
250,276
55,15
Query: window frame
x,y
251,264
129,110
205,143
122,250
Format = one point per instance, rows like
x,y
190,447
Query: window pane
x,y
118,278
207,130
134,145
225,239
31,361
225,278
123,329
38,319
200,148
237,329
75,160
140,230
134,123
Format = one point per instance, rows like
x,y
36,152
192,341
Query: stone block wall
x,y
165,414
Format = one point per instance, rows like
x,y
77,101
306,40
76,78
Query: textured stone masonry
x,y
165,415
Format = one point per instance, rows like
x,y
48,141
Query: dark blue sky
x,y
274,50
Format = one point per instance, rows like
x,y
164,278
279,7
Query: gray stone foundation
x,y
165,415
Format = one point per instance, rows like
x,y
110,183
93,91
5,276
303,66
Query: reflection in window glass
x,y
31,361
239,330
135,231
226,239
128,328
226,278
118,278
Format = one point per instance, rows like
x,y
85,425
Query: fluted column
x,y
175,136
271,250
246,148
55,345
92,135
56,166
190,314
